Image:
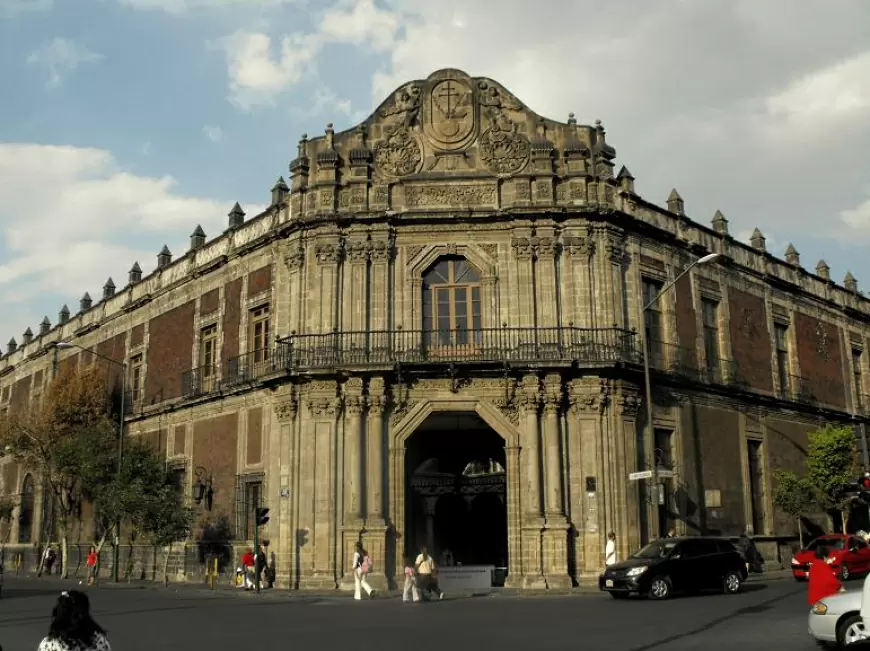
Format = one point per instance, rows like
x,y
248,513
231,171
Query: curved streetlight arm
x,y
66,345
707,259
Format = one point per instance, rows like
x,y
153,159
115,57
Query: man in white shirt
x,y
425,567
610,550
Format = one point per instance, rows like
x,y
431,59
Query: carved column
x,y
555,540
294,260
323,290
545,283
521,313
528,400
629,500
286,408
380,253
577,299
611,287
355,296
353,405
375,533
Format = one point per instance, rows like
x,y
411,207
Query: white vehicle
x,y
837,619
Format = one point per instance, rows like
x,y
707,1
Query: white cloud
x,y
185,6
215,134
11,8
858,217
92,225
61,57
146,148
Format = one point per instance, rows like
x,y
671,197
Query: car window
x,y
657,549
691,549
860,544
725,546
830,543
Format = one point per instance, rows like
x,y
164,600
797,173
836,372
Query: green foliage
x,y
832,455
793,495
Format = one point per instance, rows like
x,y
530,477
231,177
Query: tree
x,y
166,520
832,455
7,509
68,440
794,497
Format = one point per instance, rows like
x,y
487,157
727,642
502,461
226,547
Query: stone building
x,y
433,335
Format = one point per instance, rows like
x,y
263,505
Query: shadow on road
x,y
748,610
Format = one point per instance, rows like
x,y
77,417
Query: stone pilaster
x,y
528,401
629,502
294,261
577,303
545,283
353,485
555,540
375,533
322,315
610,277
522,312
286,408
355,296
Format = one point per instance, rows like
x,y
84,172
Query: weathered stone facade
x,y
291,360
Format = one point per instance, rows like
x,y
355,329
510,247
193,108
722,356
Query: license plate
x,y
608,583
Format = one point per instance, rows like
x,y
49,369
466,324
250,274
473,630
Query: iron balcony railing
x,y
686,363
486,345
233,372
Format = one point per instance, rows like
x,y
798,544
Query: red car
x,y
848,555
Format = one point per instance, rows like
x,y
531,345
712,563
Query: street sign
x,y
666,474
643,474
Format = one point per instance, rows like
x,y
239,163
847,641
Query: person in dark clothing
x,y
260,564
749,552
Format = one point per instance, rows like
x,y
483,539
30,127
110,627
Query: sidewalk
x,y
225,589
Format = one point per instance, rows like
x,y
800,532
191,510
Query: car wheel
x,y
844,572
619,595
660,588
850,630
731,583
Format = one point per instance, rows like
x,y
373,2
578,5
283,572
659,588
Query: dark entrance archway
x,y
456,490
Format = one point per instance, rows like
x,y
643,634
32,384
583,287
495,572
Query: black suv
x,y
688,564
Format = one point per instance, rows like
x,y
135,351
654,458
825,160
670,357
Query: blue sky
x,y
128,122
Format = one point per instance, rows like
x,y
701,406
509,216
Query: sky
x,y
126,123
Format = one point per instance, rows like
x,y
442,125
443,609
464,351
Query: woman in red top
x,y
248,564
92,565
823,582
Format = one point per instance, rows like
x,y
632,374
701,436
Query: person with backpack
x,y
362,565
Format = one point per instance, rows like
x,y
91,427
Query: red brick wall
x,y
821,364
786,443
209,302
259,280
115,349
169,352
20,394
67,364
214,448
137,335
232,319
255,436
750,339
711,461
687,329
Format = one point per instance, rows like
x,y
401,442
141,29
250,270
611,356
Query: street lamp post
x,y
65,345
650,434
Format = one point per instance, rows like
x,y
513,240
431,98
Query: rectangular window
x,y
710,322
178,480
136,380
782,366
208,357
251,497
258,337
652,320
857,373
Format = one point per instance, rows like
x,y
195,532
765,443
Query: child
x,y
410,583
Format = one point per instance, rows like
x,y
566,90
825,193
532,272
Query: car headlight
x,y
830,560
636,571
820,608
795,561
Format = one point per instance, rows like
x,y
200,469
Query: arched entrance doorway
x,y
456,490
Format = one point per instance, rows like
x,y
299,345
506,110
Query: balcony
x,y
236,371
684,362
515,346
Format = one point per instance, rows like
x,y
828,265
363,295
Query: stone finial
x,y
164,257
63,315
625,179
197,239
330,135
279,191
12,346
45,326
758,241
720,224
85,302
571,118
675,203
237,216
135,274
27,337
850,283
792,256
109,289
823,270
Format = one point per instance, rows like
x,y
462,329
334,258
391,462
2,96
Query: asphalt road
x,y
768,615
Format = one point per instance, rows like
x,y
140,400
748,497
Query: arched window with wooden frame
x,y
452,302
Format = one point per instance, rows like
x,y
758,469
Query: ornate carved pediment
x,y
442,143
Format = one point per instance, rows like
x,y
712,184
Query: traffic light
x,y
262,516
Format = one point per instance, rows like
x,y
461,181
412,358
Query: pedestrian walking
x,y
48,559
610,550
92,565
823,582
248,563
411,590
362,565
72,628
426,572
